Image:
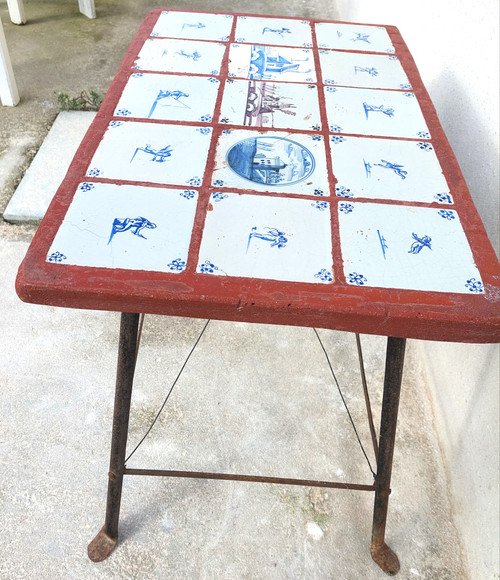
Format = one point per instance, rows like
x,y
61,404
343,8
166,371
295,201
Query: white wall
x,y
456,46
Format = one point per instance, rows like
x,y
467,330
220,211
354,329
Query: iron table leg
x,y
105,541
380,551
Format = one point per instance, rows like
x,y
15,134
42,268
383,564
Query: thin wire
x,y
169,392
345,404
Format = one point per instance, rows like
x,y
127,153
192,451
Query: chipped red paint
x,y
391,312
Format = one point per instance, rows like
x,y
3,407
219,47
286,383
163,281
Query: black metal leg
x,y
380,551
105,541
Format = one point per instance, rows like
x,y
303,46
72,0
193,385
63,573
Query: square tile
x,y
152,152
197,25
353,69
406,247
267,237
272,161
280,31
271,63
126,226
374,112
168,97
270,104
388,169
185,56
353,37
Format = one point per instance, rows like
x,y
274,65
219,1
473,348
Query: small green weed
x,y
83,102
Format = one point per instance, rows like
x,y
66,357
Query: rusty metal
x,y
380,551
367,396
249,478
105,541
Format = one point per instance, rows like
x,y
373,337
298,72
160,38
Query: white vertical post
x,y
8,88
87,8
16,11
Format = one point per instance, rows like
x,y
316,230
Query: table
x,y
275,170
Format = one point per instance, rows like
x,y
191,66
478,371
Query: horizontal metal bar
x,y
249,478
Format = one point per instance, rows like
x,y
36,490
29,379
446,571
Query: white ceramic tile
x,y
362,70
126,226
168,97
388,169
416,248
272,161
353,37
193,25
152,152
273,31
374,112
269,104
257,236
271,63
187,56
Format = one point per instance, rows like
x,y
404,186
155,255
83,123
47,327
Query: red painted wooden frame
x,y
391,312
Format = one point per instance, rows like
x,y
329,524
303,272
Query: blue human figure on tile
x,y
398,169
197,25
279,31
174,95
379,109
372,71
419,243
273,235
194,55
135,225
159,156
362,37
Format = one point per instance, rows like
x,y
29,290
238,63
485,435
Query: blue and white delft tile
x,y
353,69
153,152
267,237
353,37
279,31
375,112
168,97
271,63
396,246
270,104
127,226
184,56
194,25
274,162
389,169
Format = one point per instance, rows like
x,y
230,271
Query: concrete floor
x,y
255,399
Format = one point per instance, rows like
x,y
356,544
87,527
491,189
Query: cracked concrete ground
x,y
254,398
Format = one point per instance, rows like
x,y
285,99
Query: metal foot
x,y
101,546
385,558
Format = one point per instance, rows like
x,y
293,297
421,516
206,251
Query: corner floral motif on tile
x,y
324,275
475,286
207,267
178,265
357,279
447,214
56,257
218,196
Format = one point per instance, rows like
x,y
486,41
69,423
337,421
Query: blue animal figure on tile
x,y
273,235
378,109
197,25
419,243
279,31
135,225
194,55
174,95
398,169
372,71
159,156
362,37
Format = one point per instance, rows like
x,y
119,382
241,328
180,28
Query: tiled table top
x,y
271,170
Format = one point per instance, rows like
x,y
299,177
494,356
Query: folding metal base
x,y
105,541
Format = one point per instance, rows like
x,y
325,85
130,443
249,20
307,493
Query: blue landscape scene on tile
x,y
267,63
134,225
271,160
